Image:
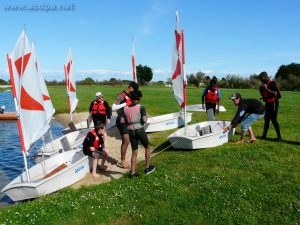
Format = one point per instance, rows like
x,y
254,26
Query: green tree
x,y
144,74
200,78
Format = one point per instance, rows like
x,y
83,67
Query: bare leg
x,y
147,156
241,138
124,146
252,137
95,164
133,161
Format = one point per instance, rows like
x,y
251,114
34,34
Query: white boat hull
x,y
198,108
54,147
166,122
77,168
193,140
83,125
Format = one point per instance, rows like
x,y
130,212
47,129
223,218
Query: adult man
x,y
135,117
249,110
124,99
270,95
100,110
211,95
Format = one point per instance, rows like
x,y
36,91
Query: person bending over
x,y
249,111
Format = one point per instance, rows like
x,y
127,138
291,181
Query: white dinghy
x,y
201,135
174,120
54,173
167,122
198,108
84,125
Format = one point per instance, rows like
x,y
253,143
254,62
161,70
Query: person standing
x,y
270,95
123,99
135,117
211,96
249,111
100,110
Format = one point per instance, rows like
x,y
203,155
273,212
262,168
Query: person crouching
x,y
135,117
93,146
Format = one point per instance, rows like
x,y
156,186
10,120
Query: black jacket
x,y
247,106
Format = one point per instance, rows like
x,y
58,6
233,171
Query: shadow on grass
x,y
166,147
282,141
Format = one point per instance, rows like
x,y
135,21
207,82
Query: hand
x,y
227,129
92,149
203,106
108,121
122,120
265,86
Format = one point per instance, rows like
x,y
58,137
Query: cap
x,y
98,94
235,96
134,85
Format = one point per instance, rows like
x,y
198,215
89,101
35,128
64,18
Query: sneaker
x,y
149,170
133,175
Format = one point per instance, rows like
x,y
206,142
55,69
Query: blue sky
x,y
222,37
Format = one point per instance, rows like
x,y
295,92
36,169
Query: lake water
x,y
11,158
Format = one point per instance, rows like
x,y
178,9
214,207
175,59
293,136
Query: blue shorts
x,y
250,119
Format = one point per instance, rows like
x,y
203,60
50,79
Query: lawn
x,y
255,183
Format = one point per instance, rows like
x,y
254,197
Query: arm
x,y
203,97
91,106
272,88
219,100
238,116
108,110
116,106
144,114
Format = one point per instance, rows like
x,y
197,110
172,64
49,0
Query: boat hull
x,y
198,108
8,116
77,168
54,147
193,140
83,125
166,122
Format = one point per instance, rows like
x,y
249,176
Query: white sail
x,y
32,121
49,109
71,83
178,75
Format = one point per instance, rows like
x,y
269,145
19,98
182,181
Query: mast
x,y
133,62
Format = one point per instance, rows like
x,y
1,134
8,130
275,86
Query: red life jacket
x,y
267,96
127,99
99,108
98,141
212,97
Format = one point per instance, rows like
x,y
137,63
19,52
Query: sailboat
x,y
200,135
56,172
73,101
162,122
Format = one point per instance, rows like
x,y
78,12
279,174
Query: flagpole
x,y
184,79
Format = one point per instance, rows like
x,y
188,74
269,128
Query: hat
x,y
235,96
134,85
98,94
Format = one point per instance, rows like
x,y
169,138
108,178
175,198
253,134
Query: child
x,y
93,146
135,117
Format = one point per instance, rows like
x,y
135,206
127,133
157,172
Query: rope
x,y
156,153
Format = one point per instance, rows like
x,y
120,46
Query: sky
x,y
221,36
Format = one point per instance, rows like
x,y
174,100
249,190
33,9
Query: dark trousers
x,y
271,114
99,118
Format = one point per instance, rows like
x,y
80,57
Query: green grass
x,y
232,184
